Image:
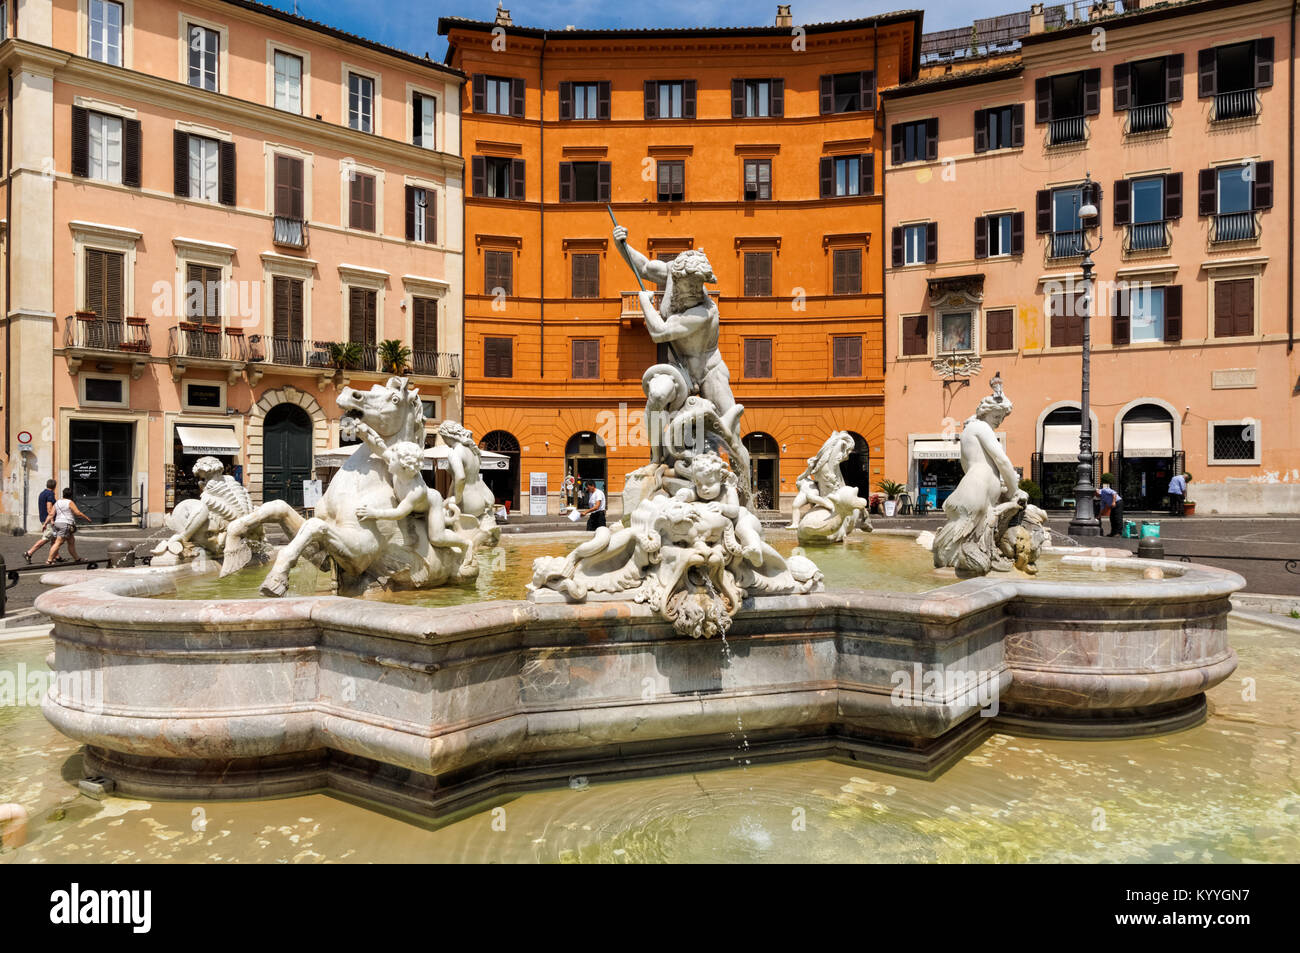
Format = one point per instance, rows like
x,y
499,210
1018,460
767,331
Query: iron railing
x,y
93,333
1065,244
1148,236
297,352
435,363
1234,227
1069,129
1147,119
207,342
290,232
1235,104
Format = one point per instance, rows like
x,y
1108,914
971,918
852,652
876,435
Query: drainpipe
x,y
541,208
1290,196
9,251
464,248
877,124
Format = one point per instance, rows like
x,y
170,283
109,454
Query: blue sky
x,y
412,25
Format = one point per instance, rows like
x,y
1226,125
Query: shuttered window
x,y
670,99
586,276
758,180
586,360
497,272
421,215
104,281
846,265
916,331
847,92
363,323
499,95
203,294
203,168
758,357
846,356
498,357
998,329
289,187
758,274
424,117
1234,308
287,309
672,179
424,325
1066,317
584,100
361,202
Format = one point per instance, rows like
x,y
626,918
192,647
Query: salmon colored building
x,y
759,146
1184,115
206,200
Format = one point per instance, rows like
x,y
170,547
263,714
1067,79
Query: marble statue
x,y
199,526
987,499
835,507
477,505
1022,541
377,524
689,547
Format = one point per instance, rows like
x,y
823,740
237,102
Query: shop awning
x,y
433,457
213,441
1148,439
936,450
1061,443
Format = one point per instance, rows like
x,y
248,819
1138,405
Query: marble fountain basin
x,y
432,710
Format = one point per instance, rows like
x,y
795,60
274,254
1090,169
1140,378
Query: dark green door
x,y
286,452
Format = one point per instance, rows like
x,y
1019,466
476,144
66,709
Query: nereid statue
x,y
835,507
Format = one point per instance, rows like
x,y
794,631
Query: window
x,y
758,274
1000,235
848,92
846,271
1065,316
1234,308
999,329
361,102
847,175
429,408
104,282
290,227
670,99
586,360
287,319
1146,314
1234,190
105,158
497,178
421,215
1147,209
1234,441
956,333
584,100
758,357
202,168
846,356
497,273
671,175
671,96
1232,194
424,116
424,331
204,397
203,51
288,82
205,169
1144,89
914,244
1142,313
915,335
105,40
103,390
758,180
586,276
1063,102
1232,75
757,98
361,201
1058,217
203,294
498,357
1000,128
498,95
363,320
585,181
915,141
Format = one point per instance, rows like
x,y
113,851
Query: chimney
x,y
1037,22
783,17
503,17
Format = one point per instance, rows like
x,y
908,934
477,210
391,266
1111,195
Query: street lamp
x,y
1085,517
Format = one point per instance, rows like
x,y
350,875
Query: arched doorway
x,y
764,469
584,460
1147,459
286,453
1058,470
504,484
856,469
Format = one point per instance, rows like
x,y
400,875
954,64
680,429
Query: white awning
x,y
1061,443
215,441
1148,439
936,450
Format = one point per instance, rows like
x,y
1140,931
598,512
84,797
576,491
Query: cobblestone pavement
x,y
1257,547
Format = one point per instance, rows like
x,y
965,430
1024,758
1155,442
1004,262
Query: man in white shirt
x,y
595,511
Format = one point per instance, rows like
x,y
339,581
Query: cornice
x,y
18,54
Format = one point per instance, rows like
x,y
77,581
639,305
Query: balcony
x,y
86,335
1141,119
1147,237
206,345
1235,104
321,357
290,232
1065,245
1234,227
1065,131
436,364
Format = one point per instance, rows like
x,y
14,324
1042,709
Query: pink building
x,y
1184,115
206,200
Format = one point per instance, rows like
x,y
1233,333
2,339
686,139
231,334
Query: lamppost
x,y
1085,517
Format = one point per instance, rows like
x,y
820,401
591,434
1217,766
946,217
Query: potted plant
x,y
1035,492
393,356
891,490
344,355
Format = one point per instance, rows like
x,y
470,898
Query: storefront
x,y
192,441
1059,467
934,467
1147,458
101,469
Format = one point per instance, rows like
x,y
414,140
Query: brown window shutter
x,y
982,236
1207,192
1263,62
998,334
867,174
479,86
1043,211
896,247
410,213
1123,200
131,153
566,181
855,357
1173,196
478,175
81,142
1174,78
765,355
1017,233
604,181
94,281
981,130
566,100
517,98
1205,74
932,139
931,242
1262,187
826,171
114,264
737,98
1121,87
368,185
688,99
751,358
1119,321
517,179
896,143
776,99
1243,306
602,99
181,163
651,99
1223,317
424,325
867,90
226,155
279,307
1018,125
356,314
827,90
1042,100
837,358
1092,92
1174,313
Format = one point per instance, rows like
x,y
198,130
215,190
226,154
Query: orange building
x,y
757,145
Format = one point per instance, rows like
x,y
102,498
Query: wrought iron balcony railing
x,y
1147,119
1235,104
435,363
319,355
206,342
1069,129
290,232
1234,227
1148,236
1065,245
89,332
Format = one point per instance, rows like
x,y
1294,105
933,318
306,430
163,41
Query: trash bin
x,y
1150,529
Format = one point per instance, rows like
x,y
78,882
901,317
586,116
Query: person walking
x,y
44,503
1112,505
63,517
595,511
1178,493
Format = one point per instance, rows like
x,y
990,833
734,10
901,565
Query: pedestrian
x,y
1112,505
44,503
595,511
63,517
1178,493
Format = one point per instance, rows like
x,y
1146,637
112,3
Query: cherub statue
x,y
714,485
201,524
405,460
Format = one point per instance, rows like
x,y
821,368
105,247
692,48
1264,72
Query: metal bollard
x,y
1150,547
121,554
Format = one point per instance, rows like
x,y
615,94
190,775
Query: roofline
x,y
351,38
955,81
915,17
1167,11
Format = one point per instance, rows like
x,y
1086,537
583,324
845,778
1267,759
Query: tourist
x,y
63,517
1178,493
595,511
44,503
1112,505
